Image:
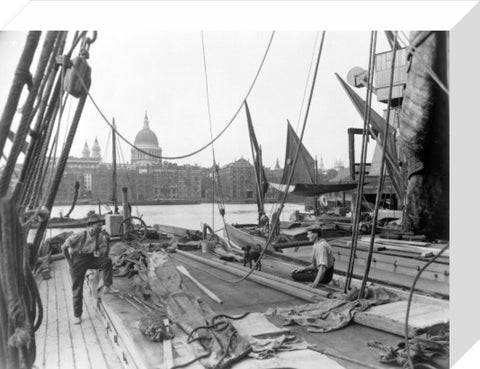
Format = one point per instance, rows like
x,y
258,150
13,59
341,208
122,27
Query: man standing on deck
x,y
321,269
81,251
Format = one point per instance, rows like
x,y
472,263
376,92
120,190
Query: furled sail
x,y
377,124
314,190
260,177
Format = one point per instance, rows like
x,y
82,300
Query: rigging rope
x,y
22,130
421,37
20,302
381,177
306,82
210,124
276,221
215,172
37,137
22,75
366,125
206,145
409,304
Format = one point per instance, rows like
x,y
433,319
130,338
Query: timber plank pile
x,y
391,317
395,263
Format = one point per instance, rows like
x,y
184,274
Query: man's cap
x,y
93,219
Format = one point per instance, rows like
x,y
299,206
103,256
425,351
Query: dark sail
x,y
260,177
303,182
304,171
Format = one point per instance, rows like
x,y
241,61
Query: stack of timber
x,y
397,263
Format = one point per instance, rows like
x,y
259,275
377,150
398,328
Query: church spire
x,y
96,150
85,151
145,120
277,165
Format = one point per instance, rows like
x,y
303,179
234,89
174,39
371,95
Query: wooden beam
x,y
312,295
167,349
209,293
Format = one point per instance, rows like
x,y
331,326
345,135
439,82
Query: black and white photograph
x,y
234,192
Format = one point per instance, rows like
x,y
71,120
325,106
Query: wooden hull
x,y
62,223
392,265
176,231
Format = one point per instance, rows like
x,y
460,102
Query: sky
x,y
163,73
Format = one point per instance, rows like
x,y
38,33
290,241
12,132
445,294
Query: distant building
x,y
147,141
151,179
238,181
96,151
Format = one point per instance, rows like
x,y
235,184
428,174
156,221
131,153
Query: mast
x,y
114,171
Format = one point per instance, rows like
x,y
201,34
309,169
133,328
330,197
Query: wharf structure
x,y
149,178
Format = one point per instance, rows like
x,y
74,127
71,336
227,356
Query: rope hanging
x,y
381,177
22,75
306,82
21,310
206,145
210,126
290,177
421,37
366,125
215,173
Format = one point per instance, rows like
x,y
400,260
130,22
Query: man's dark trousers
x,y
80,264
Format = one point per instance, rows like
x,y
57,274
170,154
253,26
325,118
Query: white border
x,y
227,15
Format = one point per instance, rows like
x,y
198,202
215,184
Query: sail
x,y
314,190
377,125
260,177
304,171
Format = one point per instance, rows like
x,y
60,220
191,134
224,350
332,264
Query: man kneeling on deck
x,y
81,250
321,270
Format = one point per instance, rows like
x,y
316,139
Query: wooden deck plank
x,y
82,356
98,349
66,346
41,334
60,343
51,344
105,356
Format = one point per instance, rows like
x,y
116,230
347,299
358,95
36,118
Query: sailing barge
x,y
117,317
179,308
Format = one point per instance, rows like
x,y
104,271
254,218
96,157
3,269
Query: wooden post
x,y
351,154
126,210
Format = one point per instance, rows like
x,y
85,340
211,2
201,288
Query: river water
x,y
188,216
